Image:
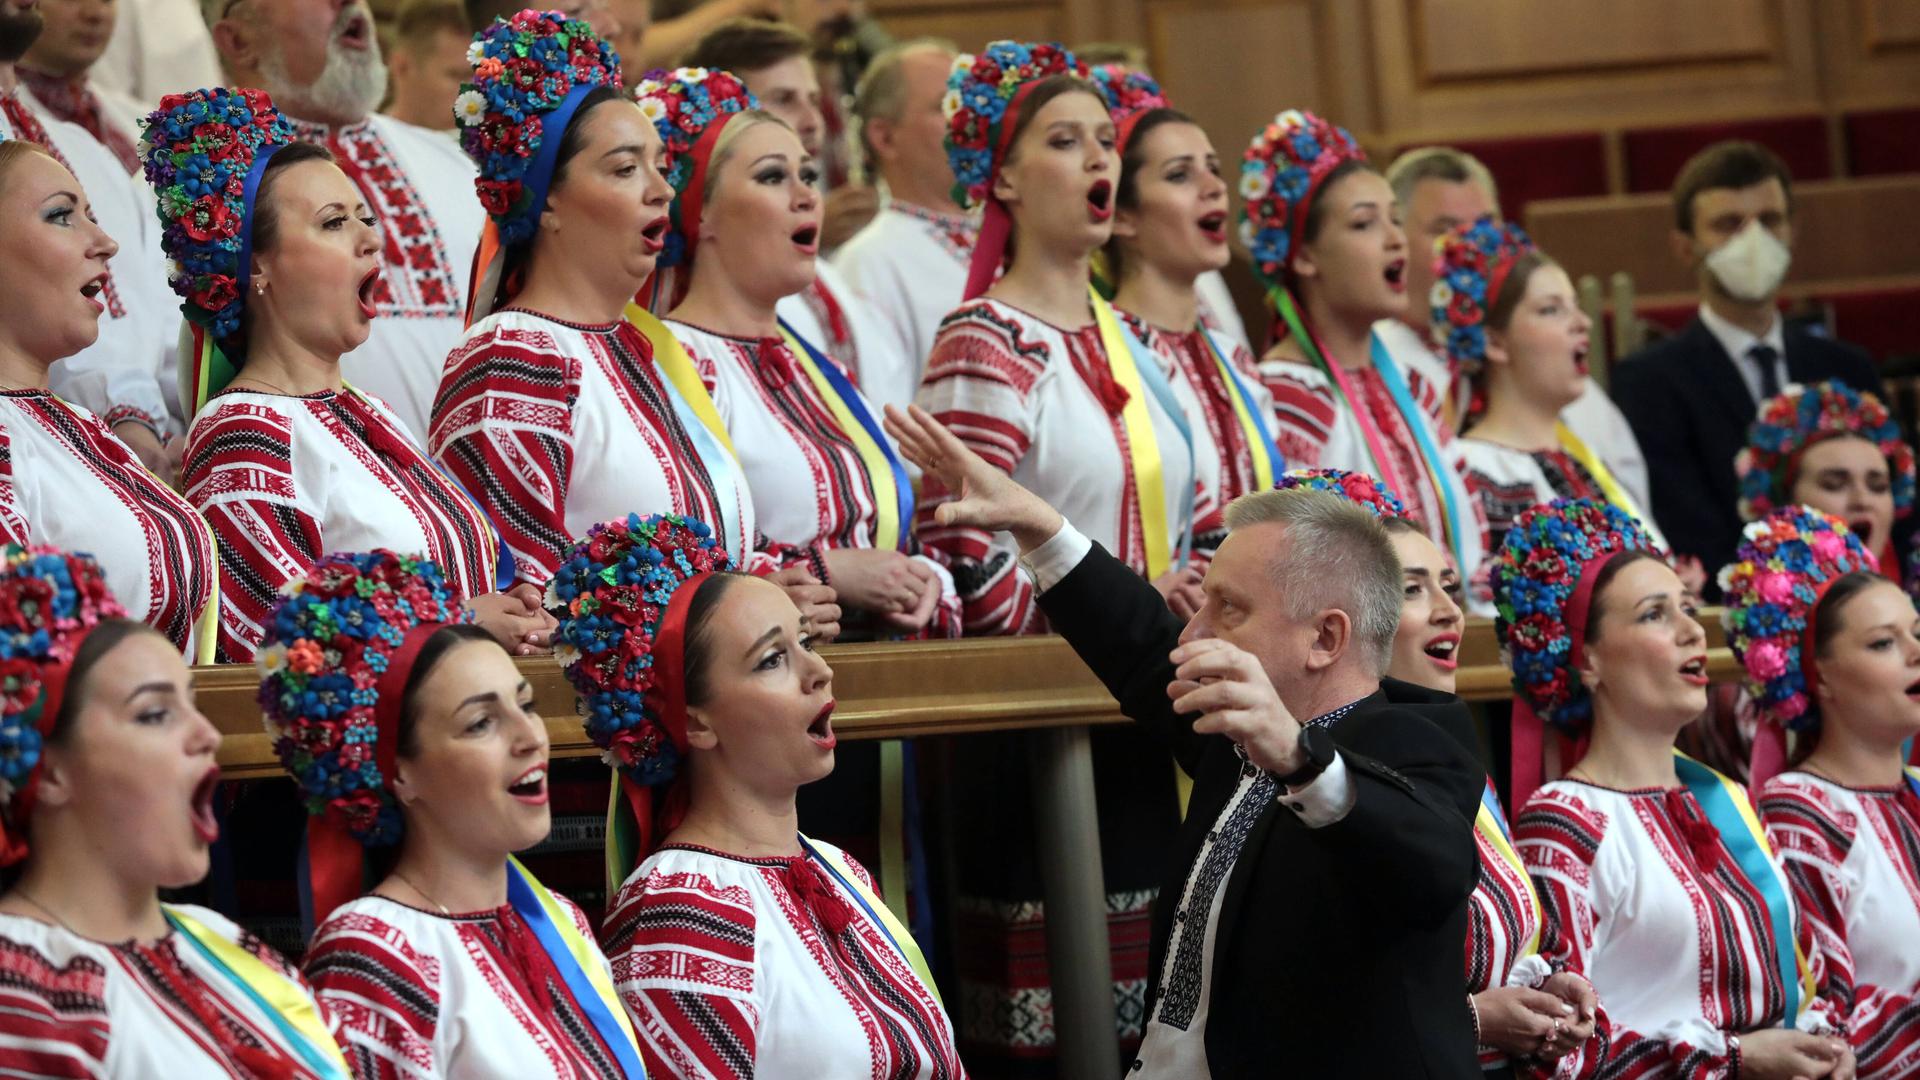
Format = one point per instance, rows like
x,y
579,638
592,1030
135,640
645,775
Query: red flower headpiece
x,y
1789,423
1351,486
1282,168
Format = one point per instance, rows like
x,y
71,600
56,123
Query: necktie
x,y
1767,360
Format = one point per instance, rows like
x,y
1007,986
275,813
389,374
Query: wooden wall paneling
x,y
1870,53
972,23
1453,68
1232,65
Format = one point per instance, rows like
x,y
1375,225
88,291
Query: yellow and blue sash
x,y
286,1003
1578,450
892,489
1143,446
579,963
1726,806
694,406
883,919
1913,779
1147,364
1268,463
1492,824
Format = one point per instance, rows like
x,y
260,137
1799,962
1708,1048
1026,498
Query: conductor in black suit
x,y
1311,916
1691,398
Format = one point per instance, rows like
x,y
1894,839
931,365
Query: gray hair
x,y
1439,163
882,91
1338,555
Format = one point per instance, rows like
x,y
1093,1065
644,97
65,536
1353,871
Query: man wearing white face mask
x,y
1691,398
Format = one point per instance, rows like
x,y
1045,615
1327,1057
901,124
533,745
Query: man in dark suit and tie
x,y
1312,911
1691,398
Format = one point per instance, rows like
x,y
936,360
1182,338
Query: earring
x,y
260,288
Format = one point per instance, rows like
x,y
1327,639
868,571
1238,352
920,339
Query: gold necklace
x,y
408,882
275,387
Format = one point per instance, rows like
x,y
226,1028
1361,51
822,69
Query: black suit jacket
x,y
1690,410
1338,951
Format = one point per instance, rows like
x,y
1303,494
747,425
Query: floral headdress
x,y
1351,486
1793,421
205,153
530,74
49,601
1471,264
333,672
689,107
1543,578
1282,168
1784,565
621,598
1130,95
984,95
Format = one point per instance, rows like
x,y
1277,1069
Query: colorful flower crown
x,y
49,600
1282,167
1534,576
330,639
609,596
523,69
1793,421
682,104
1351,486
979,89
1772,588
199,148
1471,265
1128,92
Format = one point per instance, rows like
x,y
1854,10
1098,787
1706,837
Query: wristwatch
x,y
1317,744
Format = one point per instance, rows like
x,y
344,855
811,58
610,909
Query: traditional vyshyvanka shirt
x,y
739,967
65,480
812,488
127,373
1853,855
418,996
74,1007
1643,896
911,266
419,185
1224,450
284,480
556,427
1040,403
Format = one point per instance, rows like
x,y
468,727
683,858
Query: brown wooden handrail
x,y
885,691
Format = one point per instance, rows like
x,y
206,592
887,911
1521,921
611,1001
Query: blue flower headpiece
x,y
1283,166
684,105
1471,267
980,89
530,73
1351,486
1537,577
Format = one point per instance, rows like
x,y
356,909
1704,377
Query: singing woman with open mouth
x,y
109,785
742,947
275,255
412,735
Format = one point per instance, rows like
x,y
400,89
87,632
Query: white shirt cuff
x,y
1328,798
1055,559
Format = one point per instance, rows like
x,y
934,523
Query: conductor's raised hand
x,y
984,497
1226,685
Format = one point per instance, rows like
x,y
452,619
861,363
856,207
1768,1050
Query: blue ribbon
x,y
520,894
249,193
553,129
1490,800
1437,470
851,397
846,886
1913,779
1275,459
1716,799
1147,362
319,1063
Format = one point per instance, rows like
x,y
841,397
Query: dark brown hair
x,y
1126,194
698,642
1734,164
100,641
435,650
1500,314
1827,622
1603,577
743,45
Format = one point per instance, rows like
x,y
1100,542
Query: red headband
x,y
1581,602
691,200
659,810
1528,735
1497,278
996,224
53,690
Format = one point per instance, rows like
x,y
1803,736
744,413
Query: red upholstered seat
x,y
1655,155
1540,167
1883,142
1885,322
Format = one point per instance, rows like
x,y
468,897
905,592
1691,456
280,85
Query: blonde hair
x,y
1338,555
746,121
14,151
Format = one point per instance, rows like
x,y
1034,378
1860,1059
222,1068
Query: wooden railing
x,y
885,691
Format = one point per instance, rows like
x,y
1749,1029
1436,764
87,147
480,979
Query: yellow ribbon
x,y
1582,453
895,929
1489,827
1143,446
887,525
679,370
585,952
274,990
1259,446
